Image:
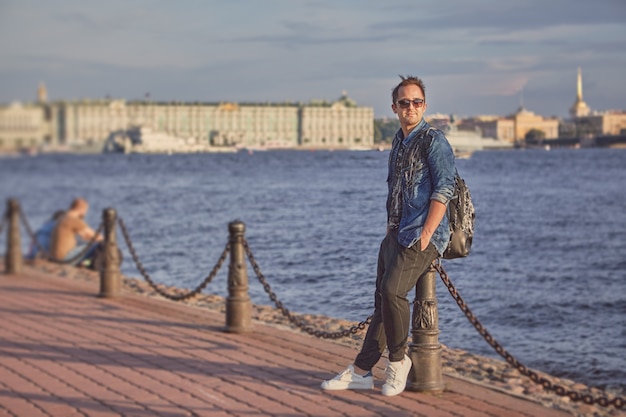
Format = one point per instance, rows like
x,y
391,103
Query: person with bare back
x,y
63,241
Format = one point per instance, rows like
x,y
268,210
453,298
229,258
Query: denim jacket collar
x,y
413,133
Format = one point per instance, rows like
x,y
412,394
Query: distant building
x,y
524,121
466,137
339,124
584,123
598,124
587,124
89,123
513,128
501,128
491,126
22,126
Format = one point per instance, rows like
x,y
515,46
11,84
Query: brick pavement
x,y
65,352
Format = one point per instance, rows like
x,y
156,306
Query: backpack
x,y
460,211
461,216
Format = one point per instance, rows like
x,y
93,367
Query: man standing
x,y
420,184
63,245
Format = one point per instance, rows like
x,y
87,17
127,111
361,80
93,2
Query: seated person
x,y
42,237
63,242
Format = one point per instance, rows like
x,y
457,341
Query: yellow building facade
x,y
22,126
513,128
524,121
597,124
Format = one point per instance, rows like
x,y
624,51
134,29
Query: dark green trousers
x,y
399,269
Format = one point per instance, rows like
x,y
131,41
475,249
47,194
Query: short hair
x,y
78,203
408,80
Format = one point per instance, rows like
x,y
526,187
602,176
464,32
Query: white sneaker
x,y
349,380
397,373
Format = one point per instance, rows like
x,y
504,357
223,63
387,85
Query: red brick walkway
x,y
66,352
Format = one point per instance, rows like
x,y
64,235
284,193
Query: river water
x,y
546,276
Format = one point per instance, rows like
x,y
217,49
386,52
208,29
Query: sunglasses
x,y
405,103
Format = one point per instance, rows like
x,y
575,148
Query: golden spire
x,y
579,86
42,93
579,108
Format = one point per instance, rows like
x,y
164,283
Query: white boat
x,y
468,141
141,139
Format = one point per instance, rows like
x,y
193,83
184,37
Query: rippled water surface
x,y
546,275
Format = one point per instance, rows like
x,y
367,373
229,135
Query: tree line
x,y
385,129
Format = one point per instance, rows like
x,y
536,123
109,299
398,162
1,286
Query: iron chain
x,y
617,402
31,234
154,286
294,319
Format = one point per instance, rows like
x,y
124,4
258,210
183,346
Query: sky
x,y
475,57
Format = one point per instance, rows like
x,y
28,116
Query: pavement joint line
x,y
173,386
182,350
51,394
98,383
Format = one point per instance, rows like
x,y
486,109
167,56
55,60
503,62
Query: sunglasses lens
x,y
417,103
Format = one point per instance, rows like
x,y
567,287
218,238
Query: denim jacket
x,y
432,179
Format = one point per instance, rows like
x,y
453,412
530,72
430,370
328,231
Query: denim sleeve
x,y
442,168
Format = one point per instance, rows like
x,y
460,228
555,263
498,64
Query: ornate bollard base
x,y
109,288
426,372
238,315
110,276
425,349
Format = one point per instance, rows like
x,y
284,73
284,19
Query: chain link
x,y
294,319
43,253
32,236
154,286
617,402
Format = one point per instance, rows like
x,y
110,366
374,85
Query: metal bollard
x,y
110,268
425,349
14,258
238,305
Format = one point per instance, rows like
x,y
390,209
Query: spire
x,y
579,86
42,93
579,108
